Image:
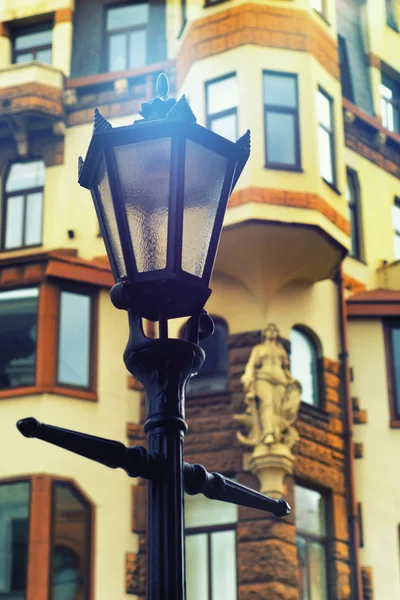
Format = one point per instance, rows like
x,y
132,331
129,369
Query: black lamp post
x,y
160,188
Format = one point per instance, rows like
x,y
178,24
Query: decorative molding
x,y
259,25
289,198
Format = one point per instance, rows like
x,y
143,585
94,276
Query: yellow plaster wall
x,y
62,46
381,39
5,52
109,490
376,472
377,191
21,9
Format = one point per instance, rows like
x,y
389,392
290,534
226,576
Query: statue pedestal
x,y
270,464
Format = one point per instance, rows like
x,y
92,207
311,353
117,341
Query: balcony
x,y
30,101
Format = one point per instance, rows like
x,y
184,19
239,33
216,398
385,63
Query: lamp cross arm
x,y
136,461
218,487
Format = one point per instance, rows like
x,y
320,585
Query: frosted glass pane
x,y
117,52
303,568
24,176
14,221
204,176
137,48
325,155
197,567
280,90
225,126
201,512
303,365
74,339
310,511
222,95
223,565
396,217
33,220
102,190
281,141
318,587
324,110
144,172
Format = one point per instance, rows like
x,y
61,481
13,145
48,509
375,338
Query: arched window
x,y
304,364
23,205
213,375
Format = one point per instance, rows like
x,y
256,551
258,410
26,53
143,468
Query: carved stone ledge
x,y
270,464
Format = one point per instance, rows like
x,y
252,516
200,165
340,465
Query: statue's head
x,y
271,332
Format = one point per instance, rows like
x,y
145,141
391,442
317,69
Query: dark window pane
x,y
118,45
353,204
74,339
18,317
345,73
24,57
396,365
33,39
280,90
303,364
281,138
225,126
71,534
223,565
14,534
213,375
310,511
14,222
44,56
302,561
137,48
124,17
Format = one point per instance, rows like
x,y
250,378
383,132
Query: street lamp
x,y
160,188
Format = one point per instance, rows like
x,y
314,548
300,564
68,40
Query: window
x,y
33,43
392,8
281,121
390,103
213,375
319,6
126,28
210,549
71,550
325,136
18,325
345,73
23,205
14,535
392,341
353,204
74,340
304,365
311,542
396,227
222,97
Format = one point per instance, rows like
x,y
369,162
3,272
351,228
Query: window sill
x,y
322,17
21,248
279,167
332,186
60,391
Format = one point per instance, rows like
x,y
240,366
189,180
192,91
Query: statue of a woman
x,y
272,395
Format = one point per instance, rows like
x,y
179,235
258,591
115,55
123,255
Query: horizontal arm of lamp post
x,y
138,462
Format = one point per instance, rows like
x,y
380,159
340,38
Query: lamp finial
x,y
162,86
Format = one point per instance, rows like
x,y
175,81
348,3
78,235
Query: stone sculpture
x,y
272,400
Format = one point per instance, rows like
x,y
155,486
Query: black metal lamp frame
x,y
164,366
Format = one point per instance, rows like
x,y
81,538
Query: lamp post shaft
x,y
164,367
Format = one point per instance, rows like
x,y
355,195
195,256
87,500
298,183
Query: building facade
x,y
311,243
